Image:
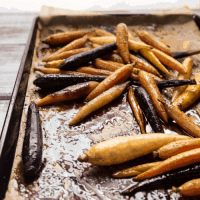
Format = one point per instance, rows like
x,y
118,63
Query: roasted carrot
x,y
101,32
113,57
66,54
187,64
134,171
151,40
130,36
91,70
78,43
133,45
150,86
54,64
63,38
149,55
117,77
69,93
190,188
122,149
98,102
175,162
182,119
122,41
57,71
190,95
106,65
169,61
141,64
136,109
175,148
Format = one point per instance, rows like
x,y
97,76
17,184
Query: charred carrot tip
x,y
155,154
83,158
174,189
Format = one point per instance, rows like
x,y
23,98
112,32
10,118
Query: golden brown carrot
x,y
190,188
98,102
190,95
57,71
175,162
169,61
149,55
133,45
122,149
130,36
94,71
141,64
95,45
122,41
66,54
136,109
117,77
182,119
175,148
54,64
149,84
151,40
78,43
134,171
187,64
63,38
115,57
69,93
106,65
101,32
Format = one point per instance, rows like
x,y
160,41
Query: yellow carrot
x,y
169,61
175,162
98,102
136,109
54,64
187,64
101,32
117,77
122,149
149,55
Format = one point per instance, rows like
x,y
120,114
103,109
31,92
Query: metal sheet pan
x,y
11,130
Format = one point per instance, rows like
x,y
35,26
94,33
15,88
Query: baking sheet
x,y
62,176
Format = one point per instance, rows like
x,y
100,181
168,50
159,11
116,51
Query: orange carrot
x,y
54,64
151,40
94,71
151,87
122,41
175,162
115,57
169,61
134,171
182,119
101,32
175,148
98,102
78,43
122,149
190,188
149,55
63,38
117,77
69,93
187,64
136,109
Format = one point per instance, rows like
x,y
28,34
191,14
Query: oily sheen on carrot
x,y
117,77
187,64
175,162
177,147
72,92
136,109
190,188
182,119
122,149
122,41
98,102
151,87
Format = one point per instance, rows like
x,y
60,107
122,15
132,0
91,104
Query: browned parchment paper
x,y
62,176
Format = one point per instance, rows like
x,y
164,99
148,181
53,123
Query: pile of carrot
x,y
115,56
